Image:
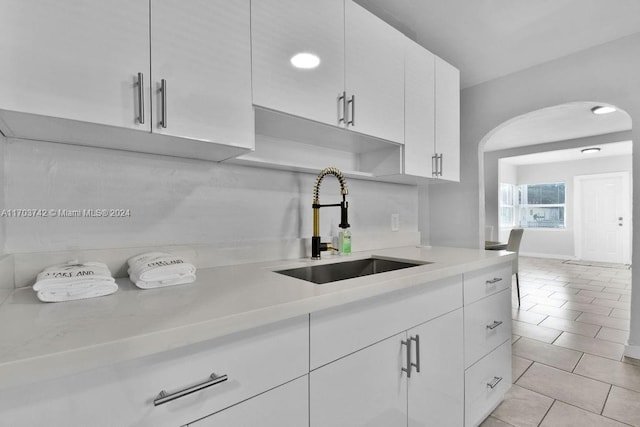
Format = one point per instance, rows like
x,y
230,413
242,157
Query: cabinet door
x,y
202,50
284,406
366,388
436,393
448,119
419,110
281,29
76,59
374,74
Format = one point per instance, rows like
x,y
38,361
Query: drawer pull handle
x,y
494,325
494,281
409,364
417,364
165,397
494,382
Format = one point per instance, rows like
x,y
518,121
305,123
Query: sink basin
x,y
327,273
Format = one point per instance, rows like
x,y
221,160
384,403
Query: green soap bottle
x,y
344,241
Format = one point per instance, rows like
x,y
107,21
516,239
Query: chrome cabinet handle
x,y
417,364
352,101
165,397
163,90
342,98
440,168
408,368
494,281
141,98
494,382
494,325
434,165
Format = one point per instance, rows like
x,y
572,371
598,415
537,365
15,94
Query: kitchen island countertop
x,y
40,341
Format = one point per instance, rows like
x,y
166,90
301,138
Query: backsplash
x,y
173,201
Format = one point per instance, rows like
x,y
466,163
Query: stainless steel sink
x,y
327,273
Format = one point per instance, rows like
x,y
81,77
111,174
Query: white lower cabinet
x,y
487,340
436,393
284,406
486,382
413,378
127,394
366,388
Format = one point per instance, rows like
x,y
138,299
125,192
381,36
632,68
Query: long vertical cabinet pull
x,y
342,99
434,165
352,101
440,167
141,98
163,90
409,364
417,364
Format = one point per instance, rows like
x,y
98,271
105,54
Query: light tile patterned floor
x,y
568,343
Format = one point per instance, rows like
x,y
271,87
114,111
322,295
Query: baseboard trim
x,y
552,256
632,351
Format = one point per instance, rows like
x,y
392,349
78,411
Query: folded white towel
x,y
180,280
75,291
74,280
159,269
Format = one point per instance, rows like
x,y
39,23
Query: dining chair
x,y
513,245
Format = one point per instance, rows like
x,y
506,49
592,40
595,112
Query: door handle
x,y
342,99
434,165
494,325
352,101
417,341
440,168
141,98
494,382
409,365
165,397
163,90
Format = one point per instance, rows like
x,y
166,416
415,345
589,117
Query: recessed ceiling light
x,y
601,109
305,60
590,150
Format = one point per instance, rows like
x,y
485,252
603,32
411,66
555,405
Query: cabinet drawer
x,y
480,397
488,281
487,324
342,330
284,406
254,361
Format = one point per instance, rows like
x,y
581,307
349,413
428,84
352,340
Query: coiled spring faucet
x,y
316,246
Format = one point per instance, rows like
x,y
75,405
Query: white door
x,y
366,388
75,59
281,29
374,74
603,222
202,50
436,392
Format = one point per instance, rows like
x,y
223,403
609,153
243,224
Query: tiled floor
x,y
568,343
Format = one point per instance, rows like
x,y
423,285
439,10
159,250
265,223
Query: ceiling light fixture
x,y
305,60
602,109
590,150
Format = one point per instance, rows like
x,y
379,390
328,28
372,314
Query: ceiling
x,y
487,39
558,123
606,150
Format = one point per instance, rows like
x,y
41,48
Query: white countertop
x,y
41,341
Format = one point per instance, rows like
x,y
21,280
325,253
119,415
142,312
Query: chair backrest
x,y
513,245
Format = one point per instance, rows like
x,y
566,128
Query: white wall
x,y
507,173
177,201
606,73
560,243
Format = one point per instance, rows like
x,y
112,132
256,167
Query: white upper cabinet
x,y
76,59
419,110
374,75
358,82
448,120
281,29
201,55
